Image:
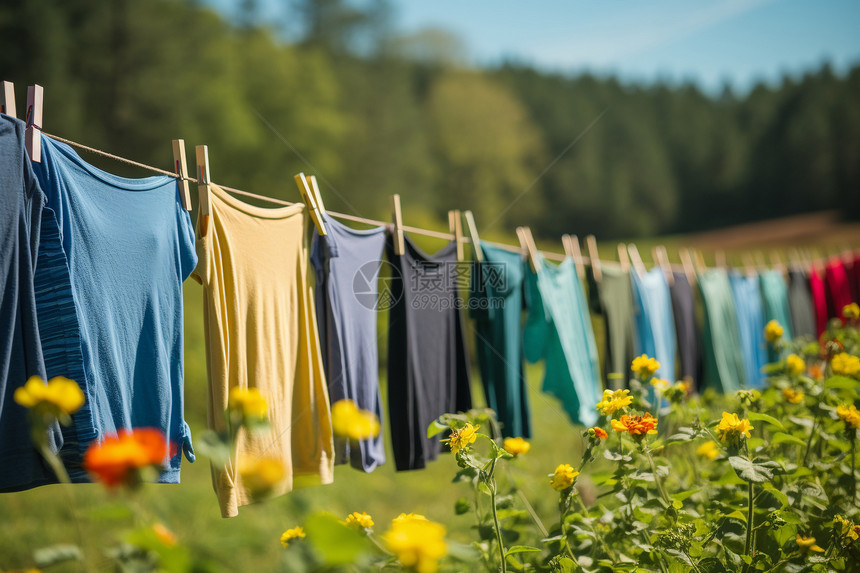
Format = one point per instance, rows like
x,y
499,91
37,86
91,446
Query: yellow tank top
x,y
261,331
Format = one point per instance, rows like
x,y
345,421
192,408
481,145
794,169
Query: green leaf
x,y
842,383
759,417
435,428
336,543
758,471
520,549
737,515
48,556
783,499
781,437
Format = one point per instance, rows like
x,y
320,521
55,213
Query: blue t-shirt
x,y
129,245
748,307
655,322
347,264
21,214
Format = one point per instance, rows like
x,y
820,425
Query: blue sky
x,y
707,41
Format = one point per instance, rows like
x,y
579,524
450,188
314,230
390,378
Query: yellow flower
x,y
249,402
462,438
261,475
644,366
516,446
807,544
793,396
709,450
358,520
772,331
795,365
60,396
563,477
296,532
164,535
732,426
408,516
851,310
659,383
636,426
845,364
419,544
850,415
847,530
614,401
350,421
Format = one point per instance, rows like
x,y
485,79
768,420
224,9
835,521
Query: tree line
x,y
374,112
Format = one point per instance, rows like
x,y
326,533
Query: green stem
x,y
657,480
750,519
563,508
492,483
809,440
853,466
692,562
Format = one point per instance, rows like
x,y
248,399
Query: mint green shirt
x,y
558,331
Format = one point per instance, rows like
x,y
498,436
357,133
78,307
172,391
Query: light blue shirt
x,y
748,308
129,245
655,322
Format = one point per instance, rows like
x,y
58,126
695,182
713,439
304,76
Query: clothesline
x,y
583,259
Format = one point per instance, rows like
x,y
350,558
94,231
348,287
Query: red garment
x,y
838,288
819,300
854,274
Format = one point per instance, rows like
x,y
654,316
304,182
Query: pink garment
x,y
838,288
819,300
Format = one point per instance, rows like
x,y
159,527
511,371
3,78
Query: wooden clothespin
x,y
180,167
572,250
700,260
662,258
776,261
623,257
312,183
33,135
473,234
749,264
687,263
528,242
203,183
311,202
760,262
455,226
594,257
720,258
7,99
636,260
399,243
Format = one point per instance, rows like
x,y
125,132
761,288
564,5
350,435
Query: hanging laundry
x,y
428,368
347,263
838,287
655,325
497,309
746,291
261,332
724,368
854,276
613,298
558,331
800,303
684,312
22,215
819,300
130,245
774,292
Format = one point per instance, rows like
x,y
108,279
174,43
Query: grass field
x,y
89,516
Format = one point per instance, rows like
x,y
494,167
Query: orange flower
x,y
636,426
600,433
119,459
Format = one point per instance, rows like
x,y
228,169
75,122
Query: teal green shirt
x,y
497,307
774,291
558,330
724,364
